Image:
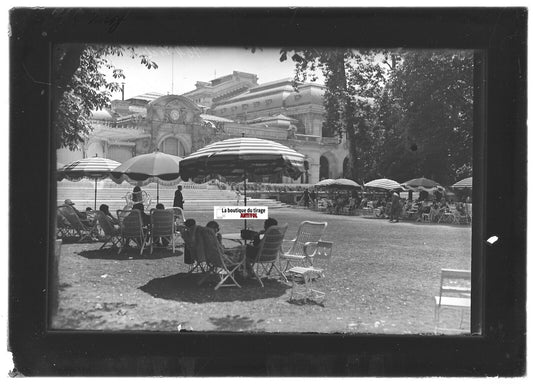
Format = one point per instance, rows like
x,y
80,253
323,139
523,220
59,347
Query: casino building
x,y
228,106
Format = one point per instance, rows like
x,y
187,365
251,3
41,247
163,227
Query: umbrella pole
x,y
95,188
157,191
245,195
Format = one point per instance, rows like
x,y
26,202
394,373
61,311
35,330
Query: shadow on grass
x,y
128,254
184,287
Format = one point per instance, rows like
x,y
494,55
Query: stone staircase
x,y
197,198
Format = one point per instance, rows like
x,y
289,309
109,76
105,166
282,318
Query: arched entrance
x,y
324,168
172,146
346,171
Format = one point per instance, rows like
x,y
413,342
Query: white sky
x,y
179,68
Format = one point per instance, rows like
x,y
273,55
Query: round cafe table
x,y
233,237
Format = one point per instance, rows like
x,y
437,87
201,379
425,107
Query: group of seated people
x,y
251,249
434,210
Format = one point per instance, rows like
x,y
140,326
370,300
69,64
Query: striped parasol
x,y
463,184
242,156
151,167
88,168
337,183
386,184
422,184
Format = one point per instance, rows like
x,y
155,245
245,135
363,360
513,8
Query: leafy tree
x,y
80,87
353,80
426,114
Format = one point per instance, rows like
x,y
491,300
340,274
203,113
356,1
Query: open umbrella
x,y
241,157
422,184
145,169
338,183
386,184
463,184
95,168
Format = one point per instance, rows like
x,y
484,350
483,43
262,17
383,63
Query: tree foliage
x,y
81,87
426,113
404,113
353,80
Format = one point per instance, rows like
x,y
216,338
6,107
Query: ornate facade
x,y
228,106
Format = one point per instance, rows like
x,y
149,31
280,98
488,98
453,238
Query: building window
x,y
256,104
245,106
269,101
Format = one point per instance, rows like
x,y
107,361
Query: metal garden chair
x,y
111,234
304,246
454,293
131,228
269,251
304,279
162,227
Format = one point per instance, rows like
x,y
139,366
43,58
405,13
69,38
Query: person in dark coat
x,y
396,208
178,198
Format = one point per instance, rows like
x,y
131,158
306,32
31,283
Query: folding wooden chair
x,y
162,228
454,294
63,228
131,228
191,255
304,246
85,231
219,261
111,234
268,252
306,277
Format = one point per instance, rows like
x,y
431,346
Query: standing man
x,y
305,198
178,198
312,196
396,208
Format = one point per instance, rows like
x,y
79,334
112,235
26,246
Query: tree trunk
x,y
338,67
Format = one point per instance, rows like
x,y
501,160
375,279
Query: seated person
x,y
159,206
137,195
434,212
81,215
145,218
252,249
216,228
104,208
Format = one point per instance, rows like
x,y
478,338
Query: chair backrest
x,y
72,218
208,248
131,224
188,234
162,222
270,244
61,221
104,223
309,231
455,282
179,217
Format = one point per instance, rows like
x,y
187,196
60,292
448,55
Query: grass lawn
x,y
382,279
